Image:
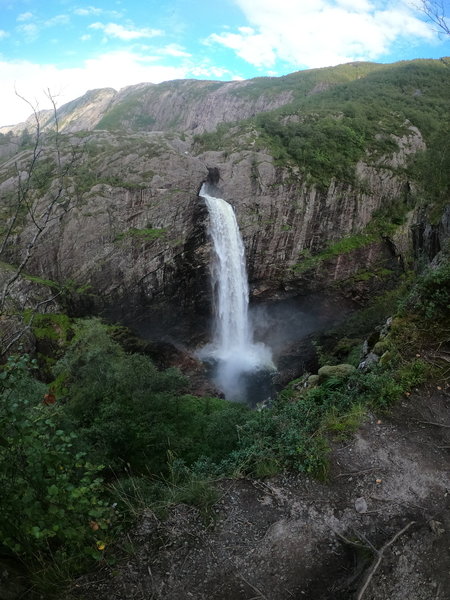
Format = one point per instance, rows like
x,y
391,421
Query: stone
x,y
380,347
369,361
340,371
313,380
386,358
361,505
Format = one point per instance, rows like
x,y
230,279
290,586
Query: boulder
x,y
340,371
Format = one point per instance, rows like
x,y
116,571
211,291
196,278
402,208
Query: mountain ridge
x,y
200,107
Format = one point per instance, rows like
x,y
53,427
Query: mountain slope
x,y
192,105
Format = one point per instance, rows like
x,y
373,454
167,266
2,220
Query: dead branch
x,y
433,423
41,209
435,12
359,472
373,569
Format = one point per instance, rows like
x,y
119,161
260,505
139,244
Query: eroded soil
x,y
292,537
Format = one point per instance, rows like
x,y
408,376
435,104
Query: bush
x,y
431,295
51,492
131,414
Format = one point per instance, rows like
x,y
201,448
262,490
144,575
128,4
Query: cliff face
x,y
185,105
284,220
129,239
189,105
135,240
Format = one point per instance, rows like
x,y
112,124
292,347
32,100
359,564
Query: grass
x,y
148,234
342,246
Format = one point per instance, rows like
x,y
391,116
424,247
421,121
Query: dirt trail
x,y
291,537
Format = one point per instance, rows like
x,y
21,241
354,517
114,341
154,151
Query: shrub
x,y
131,414
51,492
430,296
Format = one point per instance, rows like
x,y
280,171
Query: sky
x,y
68,47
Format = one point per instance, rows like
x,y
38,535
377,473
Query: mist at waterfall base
x,y
242,369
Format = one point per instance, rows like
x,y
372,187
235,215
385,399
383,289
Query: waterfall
x,y
233,350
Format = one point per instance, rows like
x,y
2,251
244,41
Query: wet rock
x,y
369,361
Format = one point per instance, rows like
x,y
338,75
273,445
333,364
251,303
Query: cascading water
x,y
235,355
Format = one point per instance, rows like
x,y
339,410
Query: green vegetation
x,y
146,234
111,434
342,246
50,490
359,114
431,168
304,83
430,296
127,115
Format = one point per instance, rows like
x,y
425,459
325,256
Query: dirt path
x,y
292,537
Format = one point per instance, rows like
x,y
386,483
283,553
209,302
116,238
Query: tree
x,y
434,10
36,193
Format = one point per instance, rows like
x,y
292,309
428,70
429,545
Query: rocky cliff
x,y
130,237
135,236
189,105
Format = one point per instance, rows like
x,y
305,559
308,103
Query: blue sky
x,y
71,46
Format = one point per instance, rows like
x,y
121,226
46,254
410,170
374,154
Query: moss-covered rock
x,y
313,380
386,358
380,347
343,370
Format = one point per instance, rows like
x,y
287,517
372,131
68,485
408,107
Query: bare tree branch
x,y
379,557
434,10
42,177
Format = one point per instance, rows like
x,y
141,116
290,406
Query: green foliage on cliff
x,y
127,115
431,169
342,246
358,113
305,83
327,134
147,234
430,295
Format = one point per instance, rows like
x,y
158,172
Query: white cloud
x,y
57,20
87,10
321,33
113,69
255,48
29,30
26,16
119,31
209,71
173,50
3,33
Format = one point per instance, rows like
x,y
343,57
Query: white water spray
x,y
232,347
